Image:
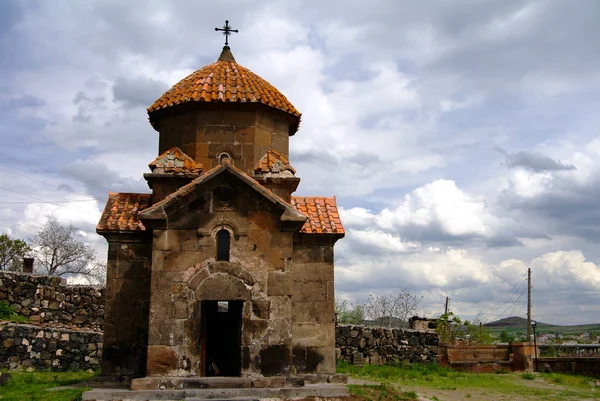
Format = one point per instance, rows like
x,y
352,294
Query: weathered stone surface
x,y
361,344
268,382
221,286
161,360
46,299
27,346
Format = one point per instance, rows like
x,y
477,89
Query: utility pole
x,y
446,309
528,304
446,324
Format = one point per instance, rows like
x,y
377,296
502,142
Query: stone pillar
x,y
523,355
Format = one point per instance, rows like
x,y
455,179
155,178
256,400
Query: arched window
x,y
224,157
223,243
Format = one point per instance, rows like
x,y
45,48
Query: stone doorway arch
x,y
221,290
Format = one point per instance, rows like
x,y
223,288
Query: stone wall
x,y
24,346
361,344
46,299
515,357
589,366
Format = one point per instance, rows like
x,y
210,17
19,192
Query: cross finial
x,y
226,31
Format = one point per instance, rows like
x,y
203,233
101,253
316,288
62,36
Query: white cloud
x,y
394,97
565,270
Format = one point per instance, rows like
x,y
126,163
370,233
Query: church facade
x,y
220,270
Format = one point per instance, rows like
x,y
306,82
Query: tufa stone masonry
x,y
47,300
220,270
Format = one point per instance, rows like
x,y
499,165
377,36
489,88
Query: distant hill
x,y
514,324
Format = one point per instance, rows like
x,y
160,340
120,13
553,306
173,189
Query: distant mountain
x,y
513,322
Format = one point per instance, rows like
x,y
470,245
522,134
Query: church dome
x,y
224,81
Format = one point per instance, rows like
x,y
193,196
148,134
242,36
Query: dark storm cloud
x,y
99,180
138,92
535,162
473,45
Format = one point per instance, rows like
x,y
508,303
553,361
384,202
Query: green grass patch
x,y
527,386
7,312
528,376
33,386
381,392
17,318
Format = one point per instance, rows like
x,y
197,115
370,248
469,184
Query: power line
x,y
53,202
512,305
39,181
515,289
42,200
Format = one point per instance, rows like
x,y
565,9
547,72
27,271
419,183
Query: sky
x,y
460,137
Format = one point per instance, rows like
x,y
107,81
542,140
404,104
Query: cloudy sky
x,y
460,137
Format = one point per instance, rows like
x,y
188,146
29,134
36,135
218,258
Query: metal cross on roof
x,y
226,31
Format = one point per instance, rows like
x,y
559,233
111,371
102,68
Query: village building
x,y
220,270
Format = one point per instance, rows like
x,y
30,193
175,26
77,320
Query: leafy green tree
x,y
505,337
447,326
12,252
477,333
451,328
349,313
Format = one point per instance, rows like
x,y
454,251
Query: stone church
x,y
220,270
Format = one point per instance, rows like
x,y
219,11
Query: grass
x,y
381,392
434,381
32,386
16,318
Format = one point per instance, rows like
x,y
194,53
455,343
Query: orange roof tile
x,y
322,212
224,81
175,161
121,212
273,158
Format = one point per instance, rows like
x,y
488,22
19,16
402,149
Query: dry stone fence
x,y
25,346
362,344
65,325
65,329
46,299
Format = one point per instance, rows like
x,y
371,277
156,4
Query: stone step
x,y
246,394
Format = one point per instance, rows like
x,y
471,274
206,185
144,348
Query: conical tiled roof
x,y
175,161
224,81
273,162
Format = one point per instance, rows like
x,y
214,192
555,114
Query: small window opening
x,y
224,157
223,243
222,306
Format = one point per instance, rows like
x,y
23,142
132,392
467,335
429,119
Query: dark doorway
x,y
222,335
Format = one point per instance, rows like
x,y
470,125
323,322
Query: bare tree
x,y
392,309
12,252
59,252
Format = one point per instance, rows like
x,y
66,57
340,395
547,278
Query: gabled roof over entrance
x,y
122,210
159,211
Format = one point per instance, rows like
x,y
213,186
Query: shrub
x,y
6,311
528,376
